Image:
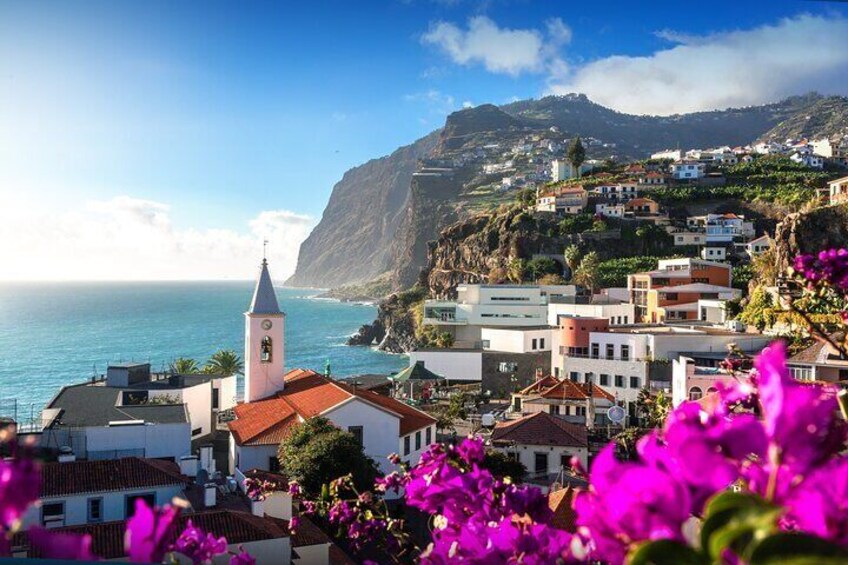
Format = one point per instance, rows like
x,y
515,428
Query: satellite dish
x,y
616,414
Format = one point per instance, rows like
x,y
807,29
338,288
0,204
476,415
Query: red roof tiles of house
x,y
80,477
561,504
569,390
540,385
540,428
308,394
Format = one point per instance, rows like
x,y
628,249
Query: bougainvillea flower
x,y
54,545
819,505
149,532
199,546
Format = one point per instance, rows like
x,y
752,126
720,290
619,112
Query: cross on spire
x,y
264,251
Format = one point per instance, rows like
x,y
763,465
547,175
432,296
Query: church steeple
x,y
264,341
264,298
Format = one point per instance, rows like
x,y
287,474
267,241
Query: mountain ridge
x,y
381,215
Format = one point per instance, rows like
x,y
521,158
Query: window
x,y
595,351
670,296
129,507
53,515
695,393
619,381
610,351
541,343
216,402
553,409
574,376
540,463
273,465
357,433
406,445
535,342
417,440
565,460
625,353
429,436
604,380
507,367
265,350
95,510
634,382
625,320
589,378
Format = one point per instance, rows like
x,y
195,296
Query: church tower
x,y
264,341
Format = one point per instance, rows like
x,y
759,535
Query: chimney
x,y
278,504
590,411
207,459
189,465
210,495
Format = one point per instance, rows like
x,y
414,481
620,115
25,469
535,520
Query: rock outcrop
x,y
810,232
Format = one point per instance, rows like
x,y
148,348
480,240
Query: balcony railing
x,y
565,353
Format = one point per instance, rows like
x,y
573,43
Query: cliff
x,y
810,232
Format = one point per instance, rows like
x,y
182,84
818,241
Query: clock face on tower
x,y
266,324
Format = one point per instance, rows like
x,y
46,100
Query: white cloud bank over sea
x,y
127,238
696,72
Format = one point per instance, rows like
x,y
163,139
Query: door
x,y
540,464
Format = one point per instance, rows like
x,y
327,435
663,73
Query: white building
x,y
562,169
383,425
616,311
807,159
497,305
673,154
610,210
714,253
838,190
722,228
758,246
544,444
517,340
563,200
689,238
685,170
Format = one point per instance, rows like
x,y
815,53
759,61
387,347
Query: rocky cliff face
x,y
353,242
381,216
810,232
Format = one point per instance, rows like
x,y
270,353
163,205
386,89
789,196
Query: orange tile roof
x,y
569,390
539,385
308,394
540,428
561,504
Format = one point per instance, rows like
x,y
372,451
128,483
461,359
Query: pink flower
x,y
293,524
199,546
149,532
242,558
819,505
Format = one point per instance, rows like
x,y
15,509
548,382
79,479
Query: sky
x,y
166,140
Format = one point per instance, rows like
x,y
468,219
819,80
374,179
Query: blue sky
x,y
196,118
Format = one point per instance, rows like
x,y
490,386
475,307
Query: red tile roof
x,y
561,504
569,390
539,385
307,394
540,428
79,477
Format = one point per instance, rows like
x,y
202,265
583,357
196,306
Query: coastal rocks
x,y
368,334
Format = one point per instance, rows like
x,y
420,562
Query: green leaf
x,y
733,520
666,552
797,549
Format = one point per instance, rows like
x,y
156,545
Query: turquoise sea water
x,y
52,334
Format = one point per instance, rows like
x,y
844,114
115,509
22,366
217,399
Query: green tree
x,y
576,154
500,465
572,258
447,415
653,408
526,196
224,362
551,280
587,274
517,270
317,452
541,266
184,366
759,311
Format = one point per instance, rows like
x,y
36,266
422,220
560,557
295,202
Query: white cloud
x,y
735,68
127,238
499,50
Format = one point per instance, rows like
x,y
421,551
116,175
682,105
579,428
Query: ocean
x,y
53,334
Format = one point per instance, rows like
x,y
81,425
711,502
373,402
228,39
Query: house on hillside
x,y
758,246
563,200
688,170
838,190
810,160
641,207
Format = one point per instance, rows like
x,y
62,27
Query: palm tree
x,y
516,270
587,273
224,362
184,366
572,258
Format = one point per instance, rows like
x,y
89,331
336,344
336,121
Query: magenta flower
x,y
242,558
393,481
54,545
149,532
629,503
819,505
20,484
800,419
293,524
294,488
829,267
471,450
199,546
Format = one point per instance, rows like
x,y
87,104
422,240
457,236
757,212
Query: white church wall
x,y
380,429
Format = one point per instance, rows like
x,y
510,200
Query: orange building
x,y
653,292
574,333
